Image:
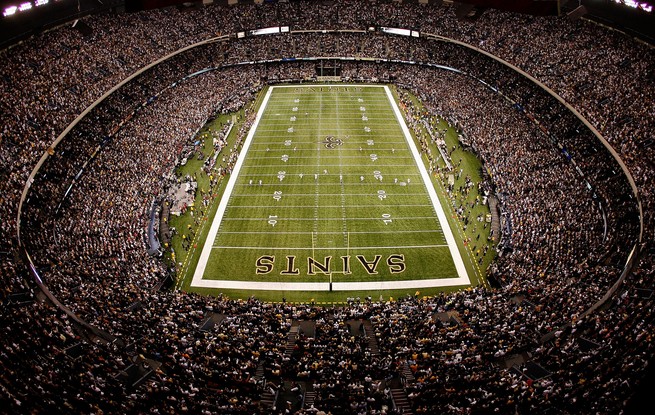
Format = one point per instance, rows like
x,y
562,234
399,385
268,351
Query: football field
x,y
329,194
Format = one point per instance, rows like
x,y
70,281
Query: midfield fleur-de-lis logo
x,y
331,141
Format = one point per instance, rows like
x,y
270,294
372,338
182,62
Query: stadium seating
x,y
453,353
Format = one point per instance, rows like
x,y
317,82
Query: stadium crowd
x,y
571,226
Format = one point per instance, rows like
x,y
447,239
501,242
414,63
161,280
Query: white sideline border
x,y
199,282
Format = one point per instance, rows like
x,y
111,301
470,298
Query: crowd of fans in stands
x,y
571,226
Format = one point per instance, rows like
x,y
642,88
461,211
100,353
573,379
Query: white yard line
x,y
323,206
332,194
334,232
334,248
373,117
325,286
330,219
262,143
462,278
325,165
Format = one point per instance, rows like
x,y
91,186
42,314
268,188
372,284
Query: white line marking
x,y
332,233
328,219
330,194
323,206
372,164
325,286
336,248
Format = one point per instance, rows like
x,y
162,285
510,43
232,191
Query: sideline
x,y
218,218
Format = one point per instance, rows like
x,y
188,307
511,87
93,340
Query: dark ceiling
x,y
55,12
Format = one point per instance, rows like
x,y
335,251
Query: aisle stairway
x,y
291,338
401,402
369,332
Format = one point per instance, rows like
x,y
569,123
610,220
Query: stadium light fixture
x,y
9,11
640,5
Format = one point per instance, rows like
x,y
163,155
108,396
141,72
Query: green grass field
x,y
341,189
328,190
